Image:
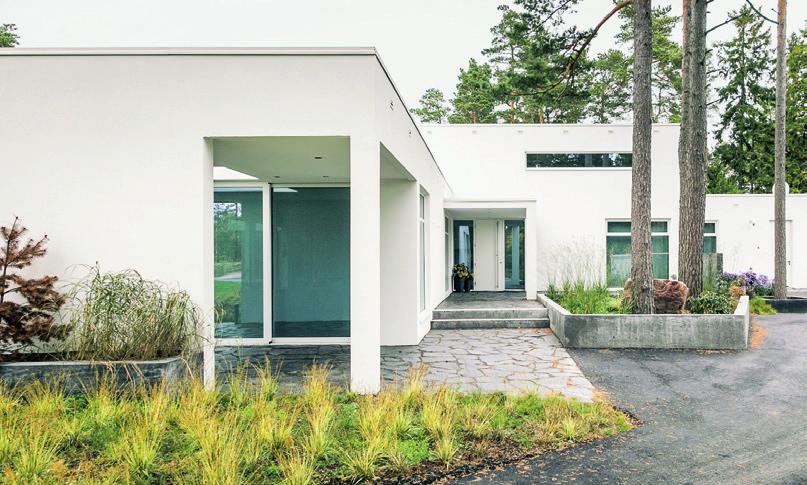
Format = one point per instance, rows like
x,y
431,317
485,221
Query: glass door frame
x,y
266,221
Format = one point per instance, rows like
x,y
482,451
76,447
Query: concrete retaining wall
x,y
790,305
82,376
650,331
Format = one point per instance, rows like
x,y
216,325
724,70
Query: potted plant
x,y
469,282
460,272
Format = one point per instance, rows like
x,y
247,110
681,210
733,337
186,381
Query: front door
x,y
486,255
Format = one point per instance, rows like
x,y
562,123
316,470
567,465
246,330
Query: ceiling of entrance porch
x,y
487,213
294,159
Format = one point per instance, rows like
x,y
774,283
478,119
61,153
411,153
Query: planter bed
x,y
792,304
658,331
79,376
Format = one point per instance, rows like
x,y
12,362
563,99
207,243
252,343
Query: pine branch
x,y
568,71
721,24
758,12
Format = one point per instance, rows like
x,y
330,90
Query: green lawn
x,y
227,290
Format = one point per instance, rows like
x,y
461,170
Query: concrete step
x,y
488,313
482,323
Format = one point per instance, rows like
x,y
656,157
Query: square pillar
x,y
531,252
365,265
207,303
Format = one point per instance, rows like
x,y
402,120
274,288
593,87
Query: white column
x,y
365,265
531,252
208,339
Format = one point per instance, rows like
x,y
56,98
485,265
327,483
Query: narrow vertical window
x,y
446,235
238,262
710,237
422,222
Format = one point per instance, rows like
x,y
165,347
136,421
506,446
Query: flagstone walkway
x,y
507,360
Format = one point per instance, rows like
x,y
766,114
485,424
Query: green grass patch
x,y
226,290
251,433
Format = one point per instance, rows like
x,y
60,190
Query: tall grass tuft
x,y
319,404
582,297
122,316
257,435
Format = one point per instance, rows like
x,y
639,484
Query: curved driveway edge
x,y
709,417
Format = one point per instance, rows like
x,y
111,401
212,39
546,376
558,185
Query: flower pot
x,y
459,284
468,284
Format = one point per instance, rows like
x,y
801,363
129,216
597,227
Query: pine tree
x,y
475,99
609,86
667,56
744,136
27,306
432,108
9,36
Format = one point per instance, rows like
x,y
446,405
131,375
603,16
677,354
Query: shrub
x,y
710,301
31,316
120,316
759,306
753,284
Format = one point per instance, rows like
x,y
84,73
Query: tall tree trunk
x,y
780,245
641,249
684,143
692,208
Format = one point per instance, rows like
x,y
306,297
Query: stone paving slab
x,y
488,299
506,360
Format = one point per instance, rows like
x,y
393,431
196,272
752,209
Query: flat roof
x,y
228,51
189,51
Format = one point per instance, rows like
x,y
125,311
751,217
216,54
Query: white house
x,y
332,216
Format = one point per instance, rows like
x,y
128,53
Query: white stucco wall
x,y
488,162
401,137
106,152
745,233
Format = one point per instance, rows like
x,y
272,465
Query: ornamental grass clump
x,y
123,316
583,297
150,434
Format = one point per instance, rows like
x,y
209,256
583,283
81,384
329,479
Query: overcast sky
x,y
423,42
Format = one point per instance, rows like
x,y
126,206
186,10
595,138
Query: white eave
x,y
225,51
189,51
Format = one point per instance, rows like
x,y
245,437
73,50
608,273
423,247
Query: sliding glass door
x,y
310,262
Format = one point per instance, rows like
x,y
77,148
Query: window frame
x,y
266,220
710,234
423,250
630,234
576,152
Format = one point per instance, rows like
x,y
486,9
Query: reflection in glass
x,y
514,255
463,243
238,262
311,262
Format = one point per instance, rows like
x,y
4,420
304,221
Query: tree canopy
x,y
8,35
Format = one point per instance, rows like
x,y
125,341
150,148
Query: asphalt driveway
x,y
728,418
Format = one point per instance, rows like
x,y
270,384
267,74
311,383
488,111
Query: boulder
x,y
669,296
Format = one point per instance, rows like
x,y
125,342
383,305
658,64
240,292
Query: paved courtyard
x,y
509,360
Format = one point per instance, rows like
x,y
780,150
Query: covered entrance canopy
x,y
497,240
285,242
